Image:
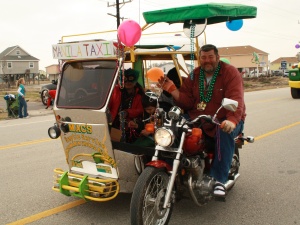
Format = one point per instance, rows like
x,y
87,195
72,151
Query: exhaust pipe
x,y
229,184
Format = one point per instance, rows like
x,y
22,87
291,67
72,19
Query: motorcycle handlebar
x,y
207,118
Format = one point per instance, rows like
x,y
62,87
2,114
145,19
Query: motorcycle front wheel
x,y
148,198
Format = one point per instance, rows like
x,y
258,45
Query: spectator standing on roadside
x,y
21,98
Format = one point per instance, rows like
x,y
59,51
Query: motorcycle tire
x,y
148,197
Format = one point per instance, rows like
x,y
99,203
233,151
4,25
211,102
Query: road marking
x,y
277,130
47,213
70,205
25,143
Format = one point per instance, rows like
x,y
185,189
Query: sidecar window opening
x,y
85,85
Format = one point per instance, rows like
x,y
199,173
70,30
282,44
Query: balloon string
x,y
120,54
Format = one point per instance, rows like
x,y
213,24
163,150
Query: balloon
x,y
129,32
155,73
297,46
234,25
225,60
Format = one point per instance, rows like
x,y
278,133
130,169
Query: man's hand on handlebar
x,y
227,126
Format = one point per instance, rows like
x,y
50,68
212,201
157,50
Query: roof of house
x,y
287,59
5,55
240,50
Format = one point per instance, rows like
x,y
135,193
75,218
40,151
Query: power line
x,y
117,5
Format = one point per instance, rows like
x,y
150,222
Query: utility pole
x,y
117,4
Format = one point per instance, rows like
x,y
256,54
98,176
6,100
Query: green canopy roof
x,y
214,12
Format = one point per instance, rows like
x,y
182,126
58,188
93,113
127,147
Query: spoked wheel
x,y
148,196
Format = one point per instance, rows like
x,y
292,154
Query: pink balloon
x,y
129,32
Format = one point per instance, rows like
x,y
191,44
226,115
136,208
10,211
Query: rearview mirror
x,y
229,104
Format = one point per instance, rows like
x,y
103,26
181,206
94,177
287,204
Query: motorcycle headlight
x,y
164,137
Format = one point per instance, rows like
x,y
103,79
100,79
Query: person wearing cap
x,y
127,100
202,94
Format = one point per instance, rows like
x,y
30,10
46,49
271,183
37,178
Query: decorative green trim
x,y
83,188
64,180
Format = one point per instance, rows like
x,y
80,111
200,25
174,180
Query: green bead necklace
x,y
205,99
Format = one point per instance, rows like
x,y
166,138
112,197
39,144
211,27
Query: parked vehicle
x,y
294,81
100,165
277,73
180,166
255,74
285,74
45,88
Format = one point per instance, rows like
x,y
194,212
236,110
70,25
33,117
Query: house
x,y
15,63
246,58
53,71
288,61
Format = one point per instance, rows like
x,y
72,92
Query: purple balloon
x,y
297,46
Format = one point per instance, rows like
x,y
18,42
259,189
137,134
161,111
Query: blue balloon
x,y
234,25
174,47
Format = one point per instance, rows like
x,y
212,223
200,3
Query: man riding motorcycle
x,y
202,93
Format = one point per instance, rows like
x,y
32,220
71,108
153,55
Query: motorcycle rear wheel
x,y
148,197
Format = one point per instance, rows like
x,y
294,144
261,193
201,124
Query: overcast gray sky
x,y
36,25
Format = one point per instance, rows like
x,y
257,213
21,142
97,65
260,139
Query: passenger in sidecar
x,y
126,103
144,126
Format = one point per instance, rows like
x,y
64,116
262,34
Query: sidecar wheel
x,y
148,197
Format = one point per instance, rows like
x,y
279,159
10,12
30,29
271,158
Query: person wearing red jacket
x,y
126,101
203,94
51,97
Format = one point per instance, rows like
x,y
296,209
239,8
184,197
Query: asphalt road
x,y
267,192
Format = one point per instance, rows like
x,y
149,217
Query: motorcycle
x,y
180,165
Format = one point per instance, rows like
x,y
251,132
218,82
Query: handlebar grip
x,y
222,124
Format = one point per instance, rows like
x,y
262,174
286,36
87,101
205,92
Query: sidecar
x,y
99,165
